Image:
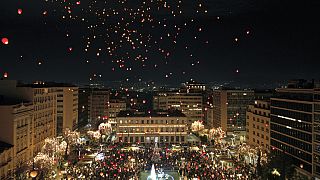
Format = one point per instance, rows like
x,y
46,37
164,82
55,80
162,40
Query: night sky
x,y
247,41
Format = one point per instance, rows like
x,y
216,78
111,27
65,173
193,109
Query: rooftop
x,y
4,146
303,84
170,113
46,85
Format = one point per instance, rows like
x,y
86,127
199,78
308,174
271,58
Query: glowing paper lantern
x,y
19,11
5,41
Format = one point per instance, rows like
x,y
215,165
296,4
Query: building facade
x,y
194,87
6,160
98,102
115,106
163,127
83,107
189,104
208,116
229,109
295,127
16,130
67,107
258,125
44,100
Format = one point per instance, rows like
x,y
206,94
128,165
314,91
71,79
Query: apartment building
x,y
44,99
295,126
229,109
67,107
258,124
189,104
6,160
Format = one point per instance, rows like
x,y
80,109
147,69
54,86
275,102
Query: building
x,y
229,109
208,110
188,103
16,129
208,116
6,160
93,105
164,127
258,124
98,102
295,126
83,107
44,99
67,107
115,106
194,87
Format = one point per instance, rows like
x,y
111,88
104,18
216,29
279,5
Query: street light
x,y
211,153
34,173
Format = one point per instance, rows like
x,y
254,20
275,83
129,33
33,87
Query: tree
x,y
70,137
281,163
197,126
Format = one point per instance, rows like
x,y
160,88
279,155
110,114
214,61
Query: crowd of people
x,y
118,163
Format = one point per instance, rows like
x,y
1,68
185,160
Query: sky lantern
x,y
5,41
19,11
5,75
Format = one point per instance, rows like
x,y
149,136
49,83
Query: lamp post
x,y
33,173
211,153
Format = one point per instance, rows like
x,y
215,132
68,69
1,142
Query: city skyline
x,y
247,42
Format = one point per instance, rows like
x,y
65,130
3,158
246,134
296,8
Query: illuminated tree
x,y
216,134
197,126
70,137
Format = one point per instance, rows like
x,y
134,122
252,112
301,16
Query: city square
x,y
159,90
91,156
